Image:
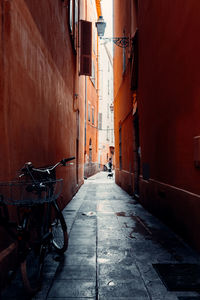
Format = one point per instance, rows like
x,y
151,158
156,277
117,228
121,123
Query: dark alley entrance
x,y
116,251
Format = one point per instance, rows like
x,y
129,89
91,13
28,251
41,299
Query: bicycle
x,y
40,223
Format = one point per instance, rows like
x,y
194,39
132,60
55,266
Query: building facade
x,y
157,107
125,147
38,104
92,100
44,114
43,84
106,113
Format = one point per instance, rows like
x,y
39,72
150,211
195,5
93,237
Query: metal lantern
x,y
101,25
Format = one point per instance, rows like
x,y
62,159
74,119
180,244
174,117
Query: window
x,y
85,48
71,16
100,121
89,112
93,73
76,12
93,115
73,21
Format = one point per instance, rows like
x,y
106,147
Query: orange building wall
x,y
168,106
38,67
169,80
123,100
104,155
91,166
42,96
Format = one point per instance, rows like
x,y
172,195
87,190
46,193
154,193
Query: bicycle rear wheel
x,y
31,269
34,251
59,230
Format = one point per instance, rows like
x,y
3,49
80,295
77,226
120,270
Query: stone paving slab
x,y
73,288
72,298
83,272
113,244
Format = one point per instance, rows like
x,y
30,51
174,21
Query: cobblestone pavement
x,y
113,245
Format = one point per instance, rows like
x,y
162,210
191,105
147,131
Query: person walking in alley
x,y
110,173
110,165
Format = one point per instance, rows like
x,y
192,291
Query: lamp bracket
x,y
122,42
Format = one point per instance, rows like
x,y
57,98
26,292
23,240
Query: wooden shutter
x,y
85,48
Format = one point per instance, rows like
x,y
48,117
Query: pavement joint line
x,y
141,275
53,278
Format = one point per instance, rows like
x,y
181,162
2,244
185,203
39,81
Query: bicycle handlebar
x,y
51,168
29,167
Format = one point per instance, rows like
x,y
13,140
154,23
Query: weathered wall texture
x,y
123,99
91,101
169,81
168,96
38,67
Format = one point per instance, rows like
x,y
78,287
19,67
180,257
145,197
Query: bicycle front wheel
x,y
59,231
31,269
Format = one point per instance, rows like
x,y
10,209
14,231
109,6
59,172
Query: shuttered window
x,y
85,48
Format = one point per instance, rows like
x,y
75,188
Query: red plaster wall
x,y
38,67
169,90
169,108
168,105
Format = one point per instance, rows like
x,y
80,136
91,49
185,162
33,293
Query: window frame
x,y
89,108
73,20
92,115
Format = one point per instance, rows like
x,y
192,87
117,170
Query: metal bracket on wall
x,y
122,42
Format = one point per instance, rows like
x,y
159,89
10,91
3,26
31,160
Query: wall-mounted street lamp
x,y
122,42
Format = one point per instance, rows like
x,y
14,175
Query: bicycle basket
x,y
29,193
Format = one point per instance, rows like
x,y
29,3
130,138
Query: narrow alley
x,y
115,248
98,87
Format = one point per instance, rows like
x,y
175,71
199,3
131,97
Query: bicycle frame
x,y
34,230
